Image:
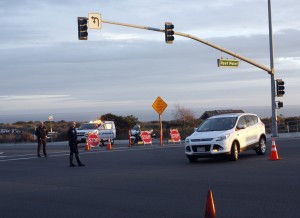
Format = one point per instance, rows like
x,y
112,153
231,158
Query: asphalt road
x,y
147,181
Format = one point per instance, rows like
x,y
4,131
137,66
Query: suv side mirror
x,y
241,126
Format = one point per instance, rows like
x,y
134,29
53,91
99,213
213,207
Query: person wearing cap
x,y
72,137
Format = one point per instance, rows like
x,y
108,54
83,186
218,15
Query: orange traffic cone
x,y
210,210
87,146
109,146
274,154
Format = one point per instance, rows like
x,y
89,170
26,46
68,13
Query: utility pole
x,y
274,114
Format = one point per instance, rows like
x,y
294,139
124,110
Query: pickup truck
x,y
105,130
84,129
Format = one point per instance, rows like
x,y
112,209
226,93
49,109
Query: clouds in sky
x,y
45,68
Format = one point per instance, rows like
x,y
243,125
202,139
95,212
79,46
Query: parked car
x,y
227,134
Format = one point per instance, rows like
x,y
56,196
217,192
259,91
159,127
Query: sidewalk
x,y
286,135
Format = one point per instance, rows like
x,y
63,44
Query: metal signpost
x,y
159,106
50,118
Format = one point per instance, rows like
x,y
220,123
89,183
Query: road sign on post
x,y
159,105
95,21
50,118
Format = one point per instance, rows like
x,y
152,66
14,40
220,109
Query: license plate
x,y
201,149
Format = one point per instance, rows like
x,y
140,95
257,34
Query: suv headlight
x,y
187,140
221,138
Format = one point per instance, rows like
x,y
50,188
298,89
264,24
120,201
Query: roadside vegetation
x,y
184,120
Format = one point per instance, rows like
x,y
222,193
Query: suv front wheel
x,y
262,147
234,154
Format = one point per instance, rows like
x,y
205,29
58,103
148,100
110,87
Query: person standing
x,y
41,133
72,137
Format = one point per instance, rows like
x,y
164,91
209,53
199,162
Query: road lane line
x,y
66,153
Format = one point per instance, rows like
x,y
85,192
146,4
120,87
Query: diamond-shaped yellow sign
x,y
159,105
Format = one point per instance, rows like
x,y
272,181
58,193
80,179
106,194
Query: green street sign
x,y
228,63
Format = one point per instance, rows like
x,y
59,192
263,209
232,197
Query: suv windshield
x,y
217,124
106,126
86,126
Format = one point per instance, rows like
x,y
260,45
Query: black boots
x,y
71,161
80,164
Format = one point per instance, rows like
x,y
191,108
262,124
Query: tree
x,y
185,120
183,115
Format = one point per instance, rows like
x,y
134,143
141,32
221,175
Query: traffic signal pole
x,y
270,70
234,54
134,26
274,112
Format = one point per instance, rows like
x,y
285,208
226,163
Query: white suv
x,y
227,134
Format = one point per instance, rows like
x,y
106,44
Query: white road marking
x,y
65,153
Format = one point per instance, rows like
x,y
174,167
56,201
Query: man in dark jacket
x,y
72,136
41,134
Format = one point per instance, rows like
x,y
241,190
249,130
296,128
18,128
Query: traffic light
x,y
82,28
169,32
279,104
280,88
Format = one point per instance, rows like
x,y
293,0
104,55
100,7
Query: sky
x,y
45,70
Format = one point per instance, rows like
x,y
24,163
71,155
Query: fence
x,y
293,126
285,127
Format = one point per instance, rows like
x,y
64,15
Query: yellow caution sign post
x,y
159,106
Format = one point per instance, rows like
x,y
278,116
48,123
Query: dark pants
x,y
74,150
41,141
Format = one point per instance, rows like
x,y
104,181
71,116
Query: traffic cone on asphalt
x,y
109,146
274,154
210,210
87,146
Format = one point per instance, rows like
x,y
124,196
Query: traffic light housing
x,y
82,28
169,32
280,87
279,104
